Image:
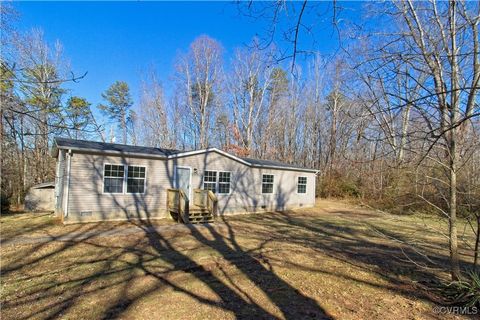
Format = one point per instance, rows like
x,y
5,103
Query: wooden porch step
x,y
199,213
201,220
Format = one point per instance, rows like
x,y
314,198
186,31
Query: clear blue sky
x,y
120,40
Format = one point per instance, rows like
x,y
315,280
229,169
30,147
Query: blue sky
x,y
121,40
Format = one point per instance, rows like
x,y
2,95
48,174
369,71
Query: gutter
x,y
112,152
67,191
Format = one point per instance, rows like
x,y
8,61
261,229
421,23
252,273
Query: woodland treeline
x,y
392,118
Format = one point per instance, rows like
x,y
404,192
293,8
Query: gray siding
x,y
246,185
86,187
40,199
88,202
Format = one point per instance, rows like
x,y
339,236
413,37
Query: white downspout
x,y
57,182
67,191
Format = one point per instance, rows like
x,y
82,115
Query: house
x,y
98,181
41,197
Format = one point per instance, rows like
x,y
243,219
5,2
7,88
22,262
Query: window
x,y
113,176
267,183
136,179
220,185
210,181
224,182
302,185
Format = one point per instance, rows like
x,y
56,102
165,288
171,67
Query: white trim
x,y
213,182
113,152
218,183
273,184
231,156
57,182
297,184
125,178
195,152
190,181
144,180
67,191
124,183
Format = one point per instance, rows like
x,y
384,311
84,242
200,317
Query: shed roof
x,y
123,149
44,185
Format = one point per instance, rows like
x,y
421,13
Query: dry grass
x,y
334,261
44,224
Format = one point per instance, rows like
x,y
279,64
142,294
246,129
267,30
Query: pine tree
x,y
118,102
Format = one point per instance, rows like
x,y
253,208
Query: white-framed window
x,y
217,181
302,185
224,182
267,183
210,181
136,176
113,177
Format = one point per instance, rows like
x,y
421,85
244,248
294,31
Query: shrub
x,y
465,292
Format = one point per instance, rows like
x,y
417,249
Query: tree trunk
x,y
453,238
477,243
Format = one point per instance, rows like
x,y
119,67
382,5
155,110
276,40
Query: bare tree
x,y
432,60
248,84
199,77
153,120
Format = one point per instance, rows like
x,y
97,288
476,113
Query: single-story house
x,y
98,181
41,197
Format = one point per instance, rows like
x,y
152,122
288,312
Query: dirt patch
x,y
333,261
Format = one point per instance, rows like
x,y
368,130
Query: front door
x,y
183,180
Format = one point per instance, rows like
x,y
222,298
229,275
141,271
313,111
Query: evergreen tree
x,y
118,103
78,114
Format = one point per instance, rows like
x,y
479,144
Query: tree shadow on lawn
x,y
290,302
64,278
89,268
157,256
393,255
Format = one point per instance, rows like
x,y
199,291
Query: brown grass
x,y
334,261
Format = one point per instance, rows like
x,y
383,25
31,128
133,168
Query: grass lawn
x,y
334,261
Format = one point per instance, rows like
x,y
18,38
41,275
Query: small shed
x,y
41,197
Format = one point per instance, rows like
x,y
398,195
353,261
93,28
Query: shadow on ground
x,y
273,265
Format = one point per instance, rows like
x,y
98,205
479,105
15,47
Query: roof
x,y
271,163
44,185
123,149
65,143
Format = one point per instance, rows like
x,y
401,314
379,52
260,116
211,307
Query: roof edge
x,y
201,151
113,152
56,148
231,156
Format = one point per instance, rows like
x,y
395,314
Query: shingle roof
x,y
94,146
270,163
44,185
65,143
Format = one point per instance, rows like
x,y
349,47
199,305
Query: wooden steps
x,y
201,209
200,215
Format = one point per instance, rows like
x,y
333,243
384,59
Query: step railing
x,y
177,202
212,203
206,199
